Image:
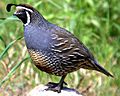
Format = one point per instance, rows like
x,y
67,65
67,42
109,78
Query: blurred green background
x,y
95,22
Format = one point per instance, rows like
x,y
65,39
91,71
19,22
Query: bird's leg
x,y
56,86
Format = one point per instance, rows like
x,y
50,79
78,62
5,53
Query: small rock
x,y
40,91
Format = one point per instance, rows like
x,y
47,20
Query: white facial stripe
x,y
21,7
28,18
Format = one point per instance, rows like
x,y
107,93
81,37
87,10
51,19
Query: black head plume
x,y
8,8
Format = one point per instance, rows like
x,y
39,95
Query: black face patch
x,y
21,14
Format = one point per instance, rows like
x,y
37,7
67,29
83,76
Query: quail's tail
x,y
101,69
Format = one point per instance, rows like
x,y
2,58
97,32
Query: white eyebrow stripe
x,y
28,18
21,7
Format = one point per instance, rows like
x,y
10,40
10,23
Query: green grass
x,y
95,22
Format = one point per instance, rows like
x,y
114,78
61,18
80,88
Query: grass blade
x,y
3,41
8,46
12,71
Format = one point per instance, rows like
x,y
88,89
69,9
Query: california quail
x,y
52,48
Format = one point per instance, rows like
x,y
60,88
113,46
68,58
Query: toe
x,y
55,89
52,85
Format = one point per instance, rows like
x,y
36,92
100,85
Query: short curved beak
x,y
15,14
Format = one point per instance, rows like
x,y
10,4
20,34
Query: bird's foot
x,y
55,89
55,86
52,85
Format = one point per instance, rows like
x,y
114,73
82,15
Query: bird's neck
x,y
38,20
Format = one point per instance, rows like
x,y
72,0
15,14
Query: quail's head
x,y
25,13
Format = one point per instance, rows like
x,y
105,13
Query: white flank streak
x,y
20,7
28,18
